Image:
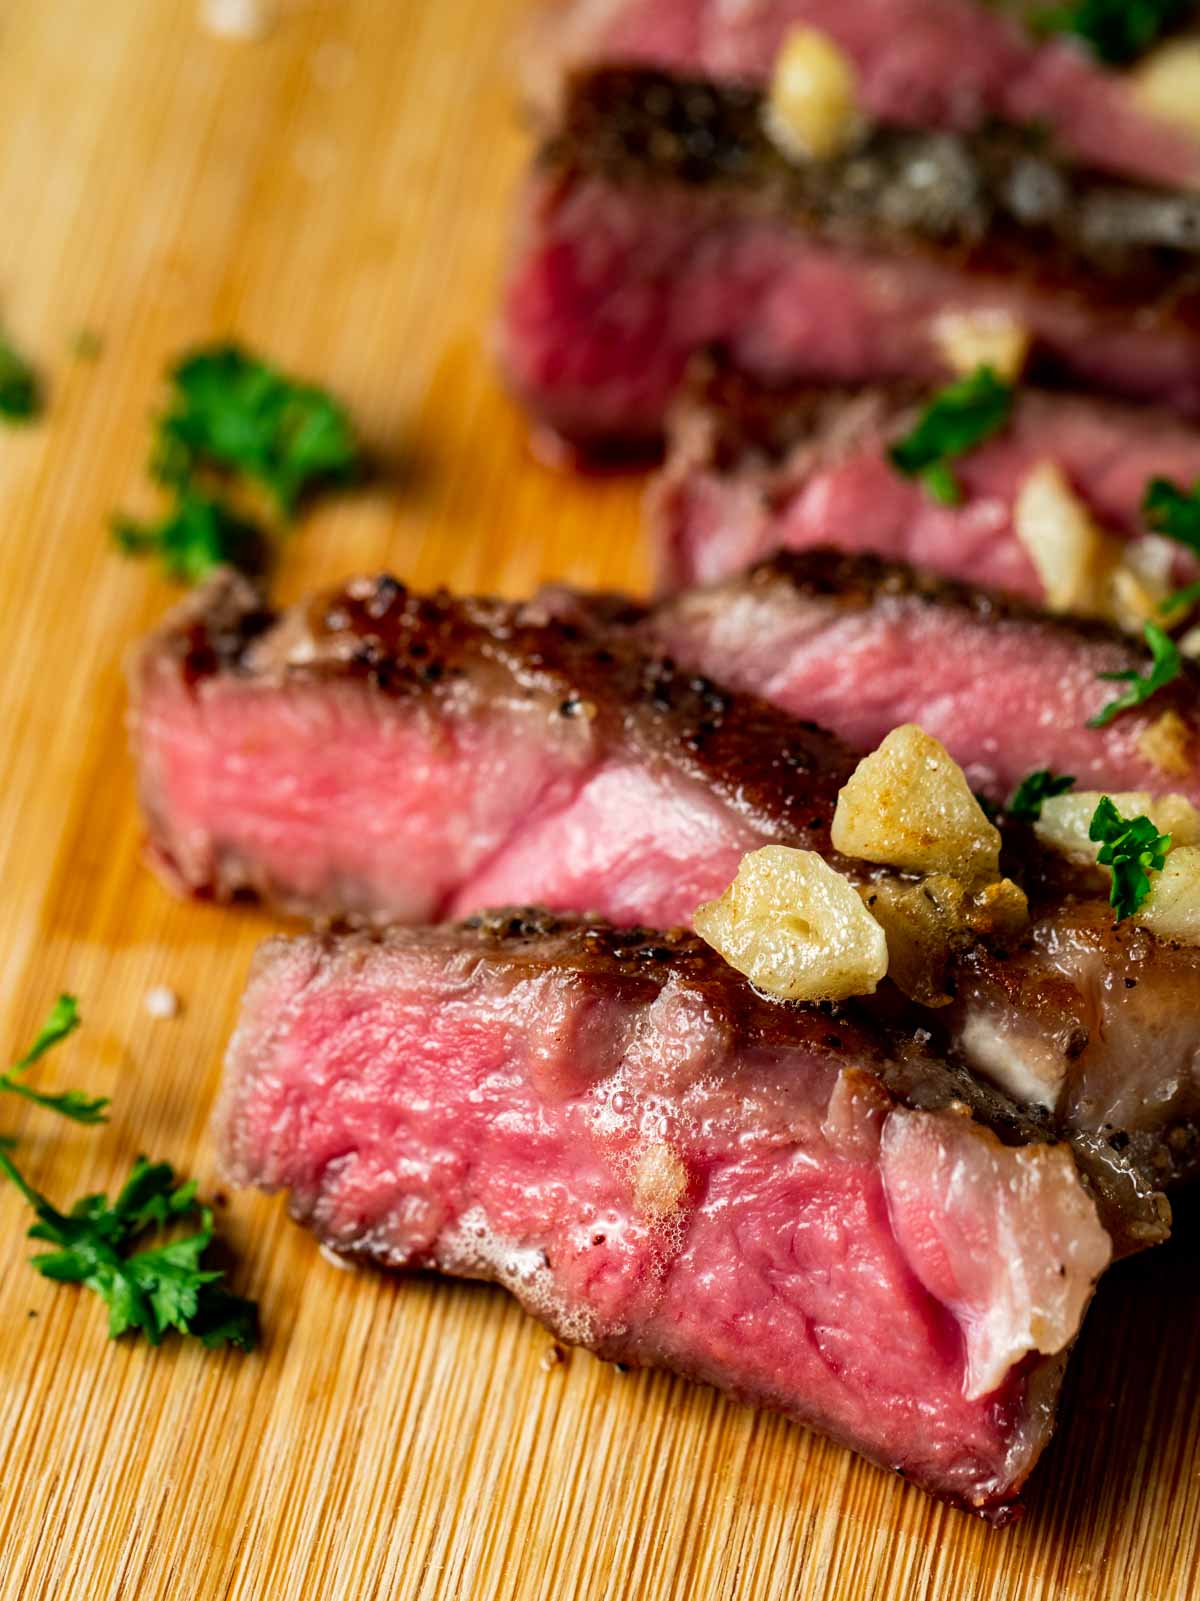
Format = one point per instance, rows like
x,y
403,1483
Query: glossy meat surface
x,y
668,1169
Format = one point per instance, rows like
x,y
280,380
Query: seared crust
x,y
856,582
995,202
458,653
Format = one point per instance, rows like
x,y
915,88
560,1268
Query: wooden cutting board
x,y
336,194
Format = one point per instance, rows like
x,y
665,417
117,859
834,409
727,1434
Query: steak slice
x,y
861,646
672,1171
391,757
954,64
752,470
388,755
662,220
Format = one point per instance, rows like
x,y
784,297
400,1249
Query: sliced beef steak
x,y
390,755
398,758
672,1171
663,220
861,646
955,64
752,470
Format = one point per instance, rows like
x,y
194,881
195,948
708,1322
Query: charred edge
x,y
999,200
858,580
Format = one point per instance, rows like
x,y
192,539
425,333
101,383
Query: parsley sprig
x,y
1118,31
233,421
149,1290
1133,848
1034,791
957,419
1166,666
1175,514
80,1108
20,392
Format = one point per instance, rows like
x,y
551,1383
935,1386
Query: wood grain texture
x,y
335,194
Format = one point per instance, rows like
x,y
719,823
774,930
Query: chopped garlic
x,y
796,928
1073,558
909,805
1172,909
968,340
1168,84
1167,745
811,112
1083,569
1066,819
925,922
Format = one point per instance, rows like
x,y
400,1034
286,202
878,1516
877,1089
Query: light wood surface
x,y
335,194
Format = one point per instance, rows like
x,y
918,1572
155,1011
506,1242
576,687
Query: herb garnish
x,y
151,1290
1175,514
80,1108
233,421
1118,31
1166,666
957,419
197,534
232,413
1133,848
20,393
1033,792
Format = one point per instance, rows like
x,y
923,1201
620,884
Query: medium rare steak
x,y
861,646
955,64
402,758
662,220
752,470
672,1171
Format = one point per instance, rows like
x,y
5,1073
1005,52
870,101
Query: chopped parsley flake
x,y
195,535
150,1290
1034,791
1166,666
1133,848
234,421
20,392
80,1108
957,419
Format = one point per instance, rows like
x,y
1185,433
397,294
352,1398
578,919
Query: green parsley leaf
x,y
20,393
152,1290
1166,666
1133,848
80,1108
1034,790
957,419
1118,31
196,535
231,412
1171,511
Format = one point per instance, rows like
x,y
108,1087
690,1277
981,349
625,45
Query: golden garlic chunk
x,y
811,111
909,805
796,928
1172,909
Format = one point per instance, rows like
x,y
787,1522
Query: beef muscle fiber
x,y
393,757
662,220
751,470
672,1171
922,63
861,646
